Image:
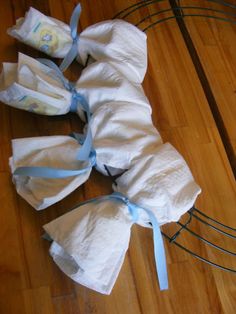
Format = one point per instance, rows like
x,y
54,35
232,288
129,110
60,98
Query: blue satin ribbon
x,y
159,250
71,55
57,73
56,173
85,153
76,98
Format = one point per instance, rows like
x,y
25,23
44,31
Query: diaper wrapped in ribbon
x,y
114,41
40,87
161,182
46,169
32,86
122,133
119,132
90,242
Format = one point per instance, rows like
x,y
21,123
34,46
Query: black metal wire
x,y
215,221
188,15
173,238
180,10
182,15
224,3
205,240
138,5
185,7
146,3
213,227
110,175
198,256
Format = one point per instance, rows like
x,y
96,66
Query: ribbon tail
x,y
86,148
50,173
71,55
74,20
159,252
83,104
69,58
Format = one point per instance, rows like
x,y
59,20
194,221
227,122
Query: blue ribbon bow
x,y
71,55
85,153
76,98
159,250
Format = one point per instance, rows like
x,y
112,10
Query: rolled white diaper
x,y
57,152
114,41
90,242
123,132
36,87
161,182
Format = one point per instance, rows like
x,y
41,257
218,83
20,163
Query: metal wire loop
x,y
194,213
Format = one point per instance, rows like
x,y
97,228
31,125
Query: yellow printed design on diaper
x,y
48,41
34,105
44,38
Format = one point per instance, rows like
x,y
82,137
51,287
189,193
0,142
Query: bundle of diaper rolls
x,y
155,185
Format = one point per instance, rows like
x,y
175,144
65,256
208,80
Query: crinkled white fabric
x,y
101,83
114,41
119,43
90,242
33,86
122,132
162,183
46,151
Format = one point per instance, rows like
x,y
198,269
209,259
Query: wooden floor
x,y
199,120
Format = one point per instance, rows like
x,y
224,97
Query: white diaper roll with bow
x,y
119,43
161,182
56,152
90,243
33,86
36,87
122,133
43,33
101,83
114,41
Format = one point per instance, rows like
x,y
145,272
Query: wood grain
x,y
216,48
30,281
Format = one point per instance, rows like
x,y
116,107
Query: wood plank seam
x,y
206,87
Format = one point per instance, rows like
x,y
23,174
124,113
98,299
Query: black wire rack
x,y
179,12
176,10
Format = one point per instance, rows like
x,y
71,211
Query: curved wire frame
x,y
194,213
186,15
134,7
